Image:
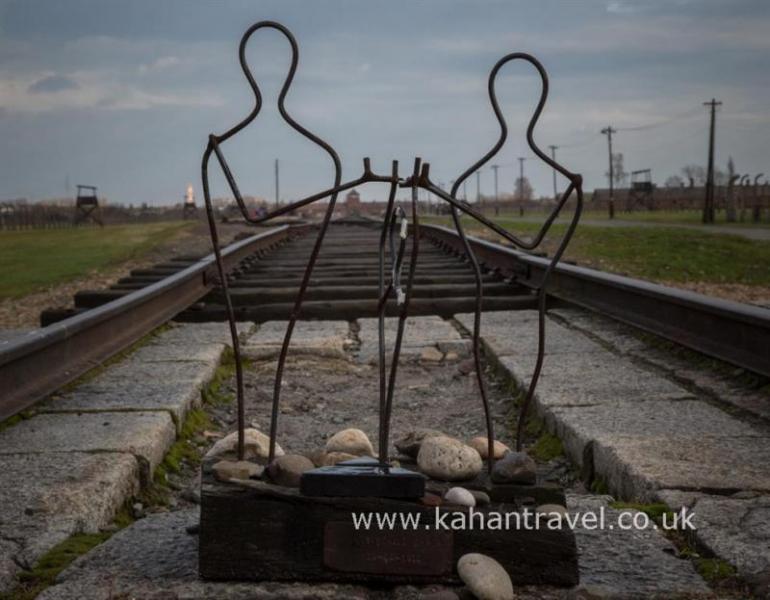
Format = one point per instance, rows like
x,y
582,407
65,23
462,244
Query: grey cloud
x,y
52,84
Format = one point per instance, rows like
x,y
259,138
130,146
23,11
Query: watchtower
x,y
641,193
87,206
189,210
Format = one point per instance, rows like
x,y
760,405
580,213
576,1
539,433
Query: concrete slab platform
x,y
309,338
630,563
626,341
45,498
684,419
189,335
156,558
169,351
140,386
516,334
419,333
637,467
579,379
734,528
146,435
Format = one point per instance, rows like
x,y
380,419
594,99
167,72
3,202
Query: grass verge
x,y
654,253
35,259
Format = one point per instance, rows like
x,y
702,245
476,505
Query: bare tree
x,y
619,175
674,182
694,174
523,189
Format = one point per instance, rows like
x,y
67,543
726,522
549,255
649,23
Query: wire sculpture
x,y
396,223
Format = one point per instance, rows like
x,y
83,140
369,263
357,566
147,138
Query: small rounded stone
x,y
332,458
515,467
352,441
448,459
256,445
485,577
549,509
227,470
459,495
286,470
481,445
410,443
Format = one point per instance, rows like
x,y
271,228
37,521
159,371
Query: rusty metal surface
x,y
36,364
420,178
735,333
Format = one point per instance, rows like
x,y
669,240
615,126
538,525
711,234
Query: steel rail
x,y
34,365
735,333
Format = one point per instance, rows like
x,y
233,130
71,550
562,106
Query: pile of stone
x,y
445,458
437,455
442,458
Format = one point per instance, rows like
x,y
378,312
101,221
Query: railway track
x,y
265,271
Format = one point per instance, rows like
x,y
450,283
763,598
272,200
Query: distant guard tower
x,y
189,210
642,190
353,203
87,206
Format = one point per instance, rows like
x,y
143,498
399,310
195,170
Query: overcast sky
x,y
122,94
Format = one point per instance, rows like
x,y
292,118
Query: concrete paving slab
x,y
611,333
176,352
140,386
8,567
516,334
309,338
591,378
624,340
156,558
190,335
45,498
734,528
146,435
684,419
419,333
636,468
630,563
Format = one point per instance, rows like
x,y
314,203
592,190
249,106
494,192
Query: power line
x,y
681,116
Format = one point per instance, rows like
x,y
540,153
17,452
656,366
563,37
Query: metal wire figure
x,y
394,216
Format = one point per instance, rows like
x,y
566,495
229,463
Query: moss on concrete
x,y
655,510
58,558
715,570
547,447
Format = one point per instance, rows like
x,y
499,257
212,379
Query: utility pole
x,y
553,156
708,202
478,188
497,197
465,189
521,185
608,131
277,188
